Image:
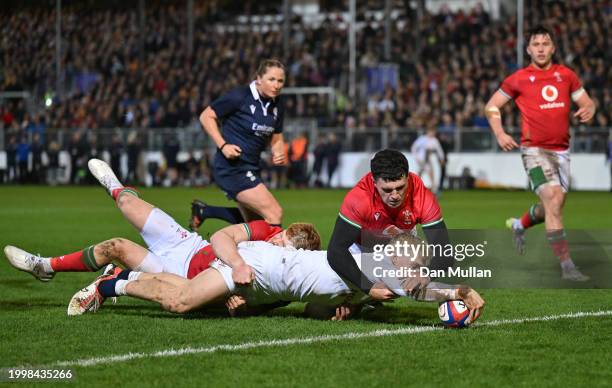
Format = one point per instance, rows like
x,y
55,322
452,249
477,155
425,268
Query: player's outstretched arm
x,y
341,261
586,108
237,307
225,245
493,114
437,234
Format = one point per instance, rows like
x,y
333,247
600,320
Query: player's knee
x,y
125,201
184,301
113,249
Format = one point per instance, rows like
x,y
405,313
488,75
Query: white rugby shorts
x,y
172,245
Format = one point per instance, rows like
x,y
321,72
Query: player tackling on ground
x,y
170,247
543,92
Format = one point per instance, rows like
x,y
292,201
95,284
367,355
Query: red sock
x,y
530,218
526,220
558,243
121,190
80,261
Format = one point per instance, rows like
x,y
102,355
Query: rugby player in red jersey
x,y
170,247
543,93
388,200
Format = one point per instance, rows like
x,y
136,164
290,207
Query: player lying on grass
x,y
281,274
171,248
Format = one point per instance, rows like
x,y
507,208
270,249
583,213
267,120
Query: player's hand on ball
x,y
506,142
381,293
472,300
234,303
231,151
243,275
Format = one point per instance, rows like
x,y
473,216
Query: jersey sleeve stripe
x,y
432,223
248,230
576,95
504,93
349,221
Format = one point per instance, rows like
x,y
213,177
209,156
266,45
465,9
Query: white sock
x,y
567,264
517,224
134,275
120,287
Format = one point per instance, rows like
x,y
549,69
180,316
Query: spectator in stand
x,y
23,154
37,149
11,159
170,150
115,150
53,168
133,155
332,155
298,157
319,157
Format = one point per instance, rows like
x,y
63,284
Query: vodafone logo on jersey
x,y
550,94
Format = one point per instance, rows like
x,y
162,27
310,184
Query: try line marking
x,y
310,340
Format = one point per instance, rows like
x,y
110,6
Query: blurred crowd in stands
x,y
121,71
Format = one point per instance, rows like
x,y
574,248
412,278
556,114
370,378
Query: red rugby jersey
x,y
544,98
363,207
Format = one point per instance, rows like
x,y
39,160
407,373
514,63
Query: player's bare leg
x,y
90,259
176,294
134,209
553,199
260,200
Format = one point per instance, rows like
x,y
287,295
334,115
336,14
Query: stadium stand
x,y
448,63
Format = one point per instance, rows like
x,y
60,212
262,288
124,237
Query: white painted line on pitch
x,y
310,340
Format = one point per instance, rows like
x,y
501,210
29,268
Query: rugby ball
x,y
454,313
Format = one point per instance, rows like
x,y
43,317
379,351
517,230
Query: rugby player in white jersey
x,y
281,274
170,247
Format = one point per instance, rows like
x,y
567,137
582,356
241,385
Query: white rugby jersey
x,y
292,275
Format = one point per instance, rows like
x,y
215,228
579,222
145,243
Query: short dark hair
x,y
389,165
539,30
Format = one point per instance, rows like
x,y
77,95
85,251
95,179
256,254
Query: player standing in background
x,y
388,200
252,117
423,149
543,93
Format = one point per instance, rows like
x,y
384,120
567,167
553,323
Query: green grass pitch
x,y
567,351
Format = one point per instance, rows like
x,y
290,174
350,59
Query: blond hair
x,y
304,235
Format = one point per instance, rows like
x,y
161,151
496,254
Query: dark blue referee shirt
x,y
248,121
